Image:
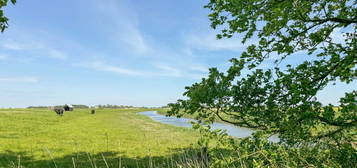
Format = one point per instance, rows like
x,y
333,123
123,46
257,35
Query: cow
x,y
58,111
66,107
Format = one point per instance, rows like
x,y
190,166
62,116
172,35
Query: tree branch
x,y
243,123
336,123
336,20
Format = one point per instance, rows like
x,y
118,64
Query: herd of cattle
x,y
60,110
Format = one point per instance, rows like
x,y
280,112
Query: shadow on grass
x,y
188,157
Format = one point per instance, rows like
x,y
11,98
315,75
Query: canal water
x,y
232,130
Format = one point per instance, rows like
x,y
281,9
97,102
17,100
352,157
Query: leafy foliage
x,y
282,100
3,19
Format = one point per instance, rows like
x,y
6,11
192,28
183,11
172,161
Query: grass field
x,y
110,138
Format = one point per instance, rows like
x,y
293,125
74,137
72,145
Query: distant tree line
x,y
79,106
42,107
113,106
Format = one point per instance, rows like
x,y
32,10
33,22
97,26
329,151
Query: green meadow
x,y
109,138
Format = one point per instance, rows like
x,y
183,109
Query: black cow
x,y
66,107
59,111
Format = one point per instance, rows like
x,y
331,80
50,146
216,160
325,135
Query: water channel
x,y
238,132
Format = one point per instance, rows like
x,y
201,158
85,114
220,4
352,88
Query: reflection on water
x,y
232,130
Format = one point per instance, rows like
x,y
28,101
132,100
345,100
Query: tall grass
x,y
189,159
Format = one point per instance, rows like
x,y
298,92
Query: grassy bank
x,y
39,138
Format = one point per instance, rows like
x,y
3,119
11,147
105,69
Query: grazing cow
x,y
58,111
68,107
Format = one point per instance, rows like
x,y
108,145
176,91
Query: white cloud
x,y
20,79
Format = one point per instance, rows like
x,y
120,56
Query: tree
x,y
282,100
3,19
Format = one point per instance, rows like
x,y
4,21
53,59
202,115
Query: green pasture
x,y
109,138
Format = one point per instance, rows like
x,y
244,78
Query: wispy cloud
x,y
208,41
102,66
185,71
31,44
3,57
12,46
199,68
135,40
22,44
160,70
124,25
29,79
170,71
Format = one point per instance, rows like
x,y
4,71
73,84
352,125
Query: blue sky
x,y
140,53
